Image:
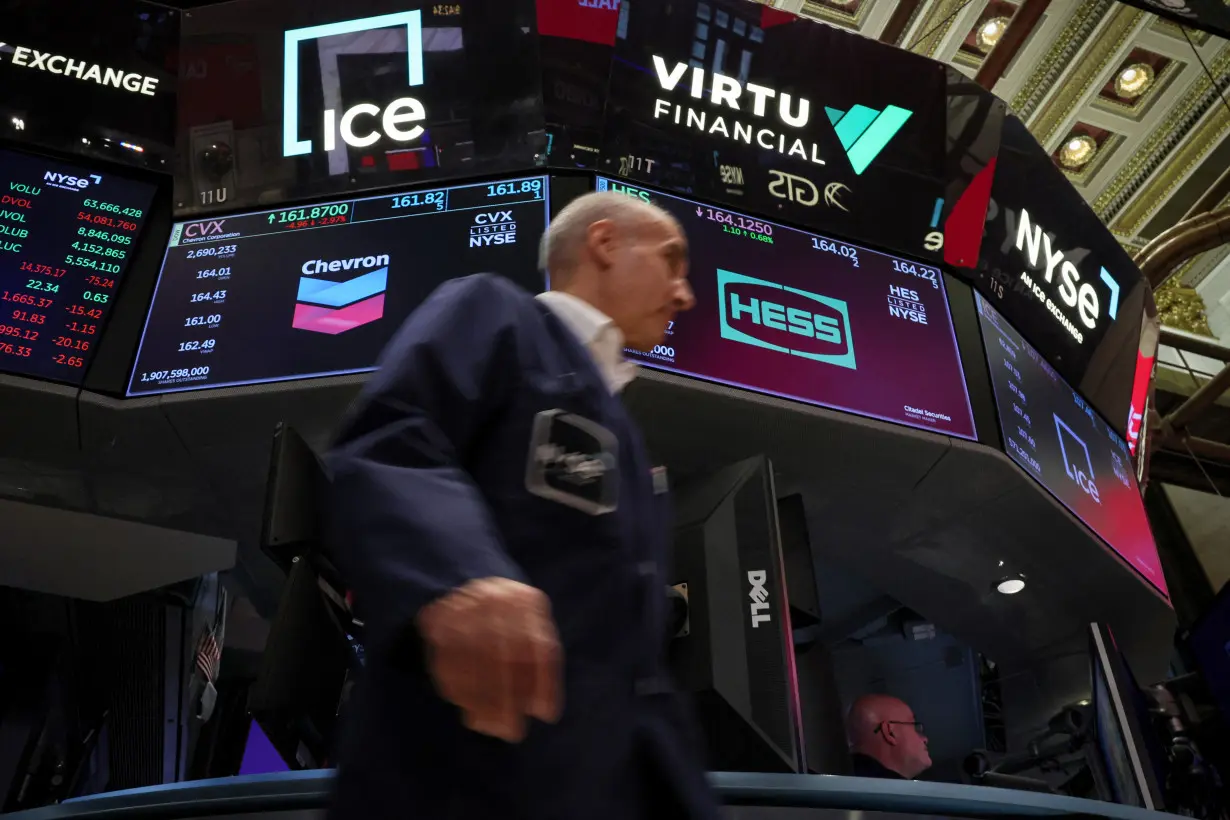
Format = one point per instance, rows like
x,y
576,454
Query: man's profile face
x,y
912,744
649,280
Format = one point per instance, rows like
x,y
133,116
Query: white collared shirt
x,y
597,332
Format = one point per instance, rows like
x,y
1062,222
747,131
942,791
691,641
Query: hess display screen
x,y
319,290
800,316
1056,437
67,236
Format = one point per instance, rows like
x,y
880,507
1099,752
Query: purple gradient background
x,y
899,362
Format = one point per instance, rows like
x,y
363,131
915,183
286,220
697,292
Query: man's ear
x,y
600,240
886,729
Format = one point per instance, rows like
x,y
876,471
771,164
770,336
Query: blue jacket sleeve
x,y
408,524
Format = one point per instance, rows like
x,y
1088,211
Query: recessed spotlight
x,y
990,32
1134,80
1010,586
1077,151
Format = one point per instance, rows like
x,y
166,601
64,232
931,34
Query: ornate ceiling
x,y
1123,91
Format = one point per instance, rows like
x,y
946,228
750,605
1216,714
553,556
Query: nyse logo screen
x,y
803,317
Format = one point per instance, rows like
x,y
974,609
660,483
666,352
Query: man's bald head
x,y
885,728
624,256
563,243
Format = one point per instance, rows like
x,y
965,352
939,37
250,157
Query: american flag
x,y
208,656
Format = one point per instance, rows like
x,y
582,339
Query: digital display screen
x,y
713,100
804,317
354,96
67,236
1051,267
1056,437
319,290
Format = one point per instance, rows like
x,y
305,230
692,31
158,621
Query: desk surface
x,y
310,790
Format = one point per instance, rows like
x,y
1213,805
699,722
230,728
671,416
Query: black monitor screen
x,y
806,317
319,290
67,234
1112,745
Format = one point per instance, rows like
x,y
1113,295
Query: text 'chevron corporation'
x,y
333,307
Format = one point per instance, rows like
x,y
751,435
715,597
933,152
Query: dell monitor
x,y
736,655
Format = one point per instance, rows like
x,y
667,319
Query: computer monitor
x,y
1208,643
737,656
1122,734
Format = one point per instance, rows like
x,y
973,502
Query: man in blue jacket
x,y
501,525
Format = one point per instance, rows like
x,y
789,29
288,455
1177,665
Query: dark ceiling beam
x,y
1211,198
900,19
1010,42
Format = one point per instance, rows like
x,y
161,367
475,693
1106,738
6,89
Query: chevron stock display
x,y
319,290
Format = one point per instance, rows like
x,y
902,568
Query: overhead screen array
x,y
319,290
67,236
1056,437
805,317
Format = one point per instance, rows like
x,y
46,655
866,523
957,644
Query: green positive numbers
x,y
317,212
112,208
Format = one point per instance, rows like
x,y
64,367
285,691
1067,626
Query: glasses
x,y
918,727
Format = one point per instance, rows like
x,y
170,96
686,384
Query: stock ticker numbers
x,y
63,253
319,290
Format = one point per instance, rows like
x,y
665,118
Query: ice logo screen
x,y
788,320
389,121
332,307
1076,459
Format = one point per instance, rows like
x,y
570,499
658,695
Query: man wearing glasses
x,y
885,739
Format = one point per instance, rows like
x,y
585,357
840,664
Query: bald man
x,y
886,740
499,521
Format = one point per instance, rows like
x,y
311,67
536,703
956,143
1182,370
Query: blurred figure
x,y
500,523
886,741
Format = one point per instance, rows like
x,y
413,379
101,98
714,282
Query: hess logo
x,y
365,123
787,320
760,598
201,229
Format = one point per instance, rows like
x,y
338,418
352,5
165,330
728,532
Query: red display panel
x,y
805,317
1060,440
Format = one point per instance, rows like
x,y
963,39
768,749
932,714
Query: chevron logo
x,y
865,131
335,307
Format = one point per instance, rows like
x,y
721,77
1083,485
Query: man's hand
x,y
493,651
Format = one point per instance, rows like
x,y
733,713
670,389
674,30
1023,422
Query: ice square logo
x,y
1076,460
788,320
331,307
389,122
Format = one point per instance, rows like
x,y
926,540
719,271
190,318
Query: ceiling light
x,y
1134,80
1077,151
990,32
1010,586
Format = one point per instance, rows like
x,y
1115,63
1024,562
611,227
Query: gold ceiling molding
x,y
1071,40
945,10
854,20
918,9
1086,73
1138,108
1154,193
1198,97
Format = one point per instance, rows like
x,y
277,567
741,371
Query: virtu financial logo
x,y
865,131
787,320
325,306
